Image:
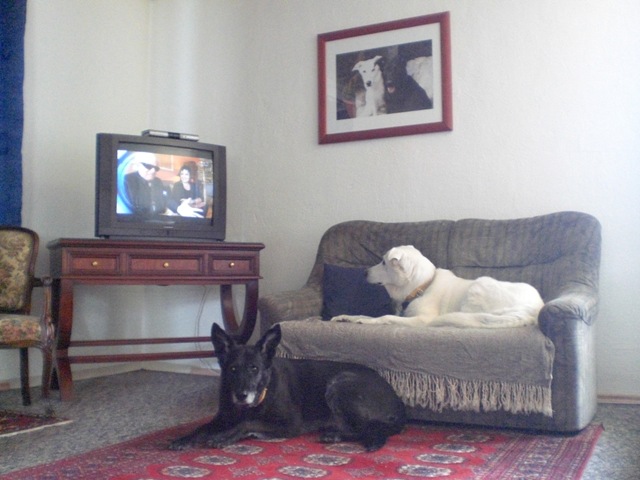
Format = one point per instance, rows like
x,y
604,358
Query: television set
x,y
163,188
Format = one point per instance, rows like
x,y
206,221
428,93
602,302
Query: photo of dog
x,y
414,97
421,70
430,296
266,397
387,80
371,72
402,92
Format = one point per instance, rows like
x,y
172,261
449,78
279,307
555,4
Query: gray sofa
x,y
530,377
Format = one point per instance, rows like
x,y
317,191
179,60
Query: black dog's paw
x,y
218,441
215,444
179,444
331,436
373,444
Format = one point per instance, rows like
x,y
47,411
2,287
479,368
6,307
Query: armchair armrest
x,y
48,330
291,305
46,284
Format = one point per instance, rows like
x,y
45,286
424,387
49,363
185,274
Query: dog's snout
x,y
369,83
244,398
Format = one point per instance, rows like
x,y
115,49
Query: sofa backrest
x,y
547,251
363,243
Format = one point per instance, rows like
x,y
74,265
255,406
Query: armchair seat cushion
x,y
20,330
477,370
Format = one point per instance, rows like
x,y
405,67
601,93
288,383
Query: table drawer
x,y
233,266
166,265
93,264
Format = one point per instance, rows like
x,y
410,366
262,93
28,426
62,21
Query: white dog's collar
x,y
415,294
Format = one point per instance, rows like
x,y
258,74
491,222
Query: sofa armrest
x,y
567,321
291,305
574,304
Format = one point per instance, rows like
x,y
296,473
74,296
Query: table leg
x,y
63,314
242,333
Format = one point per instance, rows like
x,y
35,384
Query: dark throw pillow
x,y
345,291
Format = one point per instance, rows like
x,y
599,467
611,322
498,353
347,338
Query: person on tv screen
x,y
146,193
186,195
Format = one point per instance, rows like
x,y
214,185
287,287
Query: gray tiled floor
x,y
111,409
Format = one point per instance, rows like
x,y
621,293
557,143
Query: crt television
x,y
162,188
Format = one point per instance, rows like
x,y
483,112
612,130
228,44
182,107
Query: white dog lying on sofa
x,y
431,296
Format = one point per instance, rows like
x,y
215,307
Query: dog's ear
x,y
394,257
397,256
356,67
269,342
222,342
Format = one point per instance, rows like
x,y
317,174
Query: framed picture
x,y
385,80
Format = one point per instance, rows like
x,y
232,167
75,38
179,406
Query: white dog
x,y
421,69
433,296
374,87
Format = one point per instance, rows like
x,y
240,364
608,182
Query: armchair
x,y
18,328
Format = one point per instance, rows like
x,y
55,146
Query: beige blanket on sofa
x,y
463,369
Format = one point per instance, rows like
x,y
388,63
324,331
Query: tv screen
x,y
159,187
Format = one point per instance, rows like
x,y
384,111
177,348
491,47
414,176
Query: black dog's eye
x,y
233,369
253,368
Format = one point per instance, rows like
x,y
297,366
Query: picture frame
x,y
407,67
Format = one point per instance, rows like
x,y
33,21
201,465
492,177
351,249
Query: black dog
x,y
402,92
266,397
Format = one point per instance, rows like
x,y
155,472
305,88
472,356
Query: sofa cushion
x,y
345,291
466,369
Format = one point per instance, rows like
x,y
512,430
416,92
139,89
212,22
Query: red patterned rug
x,y
421,451
13,423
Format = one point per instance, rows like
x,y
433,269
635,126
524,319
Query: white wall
x,y
88,70
546,115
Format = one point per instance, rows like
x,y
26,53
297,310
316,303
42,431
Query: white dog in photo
x,y
432,296
421,70
371,74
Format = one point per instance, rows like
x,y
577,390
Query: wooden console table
x,y
143,262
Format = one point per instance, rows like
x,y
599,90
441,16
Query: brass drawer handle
x,y
165,264
94,263
232,264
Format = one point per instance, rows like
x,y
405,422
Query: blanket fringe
x,y
437,393
440,392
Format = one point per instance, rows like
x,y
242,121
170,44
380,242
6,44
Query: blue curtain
x,y
12,23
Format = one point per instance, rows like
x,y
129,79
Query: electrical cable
x,y
208,364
